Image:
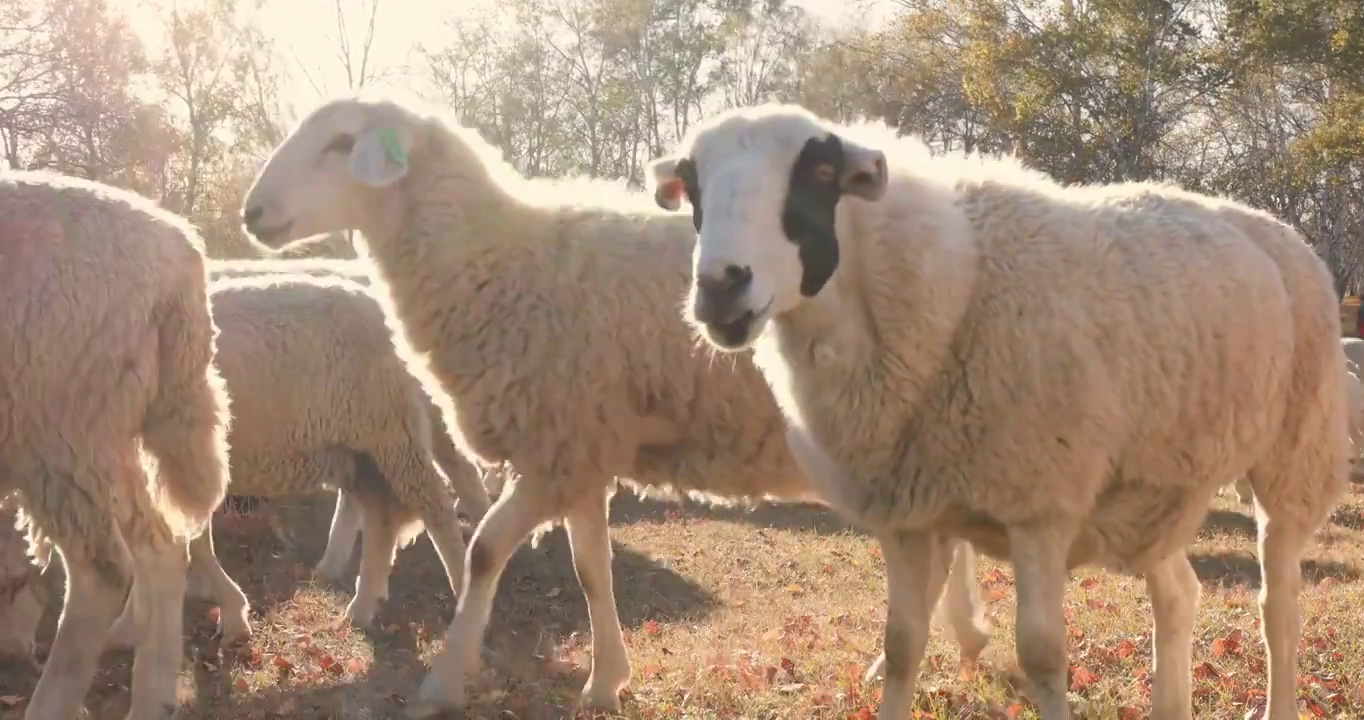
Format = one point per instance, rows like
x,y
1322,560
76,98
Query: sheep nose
x,y
251,215
718,295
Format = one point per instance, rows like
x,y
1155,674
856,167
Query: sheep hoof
x,y
233,632
360,615
435,698
329,575
595,701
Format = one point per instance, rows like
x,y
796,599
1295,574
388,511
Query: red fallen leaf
x,y
651,627
862,713
355,666
1081,677
335,668
1222,647
1125,649
770,673
788,666
1013,711
282,664
1205,671
1127,712
1089,583
240,685
651,670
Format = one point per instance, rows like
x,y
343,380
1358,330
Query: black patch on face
x,y
808,217
686,172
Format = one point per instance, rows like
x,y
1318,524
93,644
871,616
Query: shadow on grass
x,y
538,605
1229,569
1230,521
628,508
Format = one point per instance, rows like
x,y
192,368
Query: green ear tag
x,y
389,137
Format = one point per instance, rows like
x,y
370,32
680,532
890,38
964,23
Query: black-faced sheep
x,y
549,314
106,339
321,399
1062,375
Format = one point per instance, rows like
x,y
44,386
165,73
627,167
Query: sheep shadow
x,y
1230,522
537,605
1229,569
627,508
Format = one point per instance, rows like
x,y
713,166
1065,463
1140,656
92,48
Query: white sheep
x,y
320,398
347,519
106,340
548,311
1062,375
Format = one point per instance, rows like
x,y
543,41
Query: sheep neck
x,y
440,234
863,357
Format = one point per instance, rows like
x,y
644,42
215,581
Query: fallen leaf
x,y
355,666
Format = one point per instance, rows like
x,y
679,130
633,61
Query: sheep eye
x,y
341,143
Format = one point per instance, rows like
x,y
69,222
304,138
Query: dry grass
x,y
773,614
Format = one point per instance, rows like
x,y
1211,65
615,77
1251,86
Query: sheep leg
x,y
916,571
1280,620
346,522
463,477
964,606
1039,554
75,514
508,523
234,609
1173,587
590,539
376,564
965,612
160,568
233,623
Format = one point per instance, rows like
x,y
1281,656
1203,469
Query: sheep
x,y
346,520
320,396
550,318
1064,376
107,339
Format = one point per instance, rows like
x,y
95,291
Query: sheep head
x,y
763,183
327,174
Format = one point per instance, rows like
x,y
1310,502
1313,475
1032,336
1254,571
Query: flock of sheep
x,y
957,353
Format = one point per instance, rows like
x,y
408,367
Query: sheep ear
x,y
864,171
379,157
667,187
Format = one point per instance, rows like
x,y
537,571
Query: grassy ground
x,y
730,615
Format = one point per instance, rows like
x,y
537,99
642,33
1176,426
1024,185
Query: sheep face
x,y
763,183
326,175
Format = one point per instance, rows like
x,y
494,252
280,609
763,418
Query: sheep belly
x,y
1132,526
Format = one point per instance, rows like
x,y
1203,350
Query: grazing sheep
x,y
106,339
347,520
1062,375
549,313
319,396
